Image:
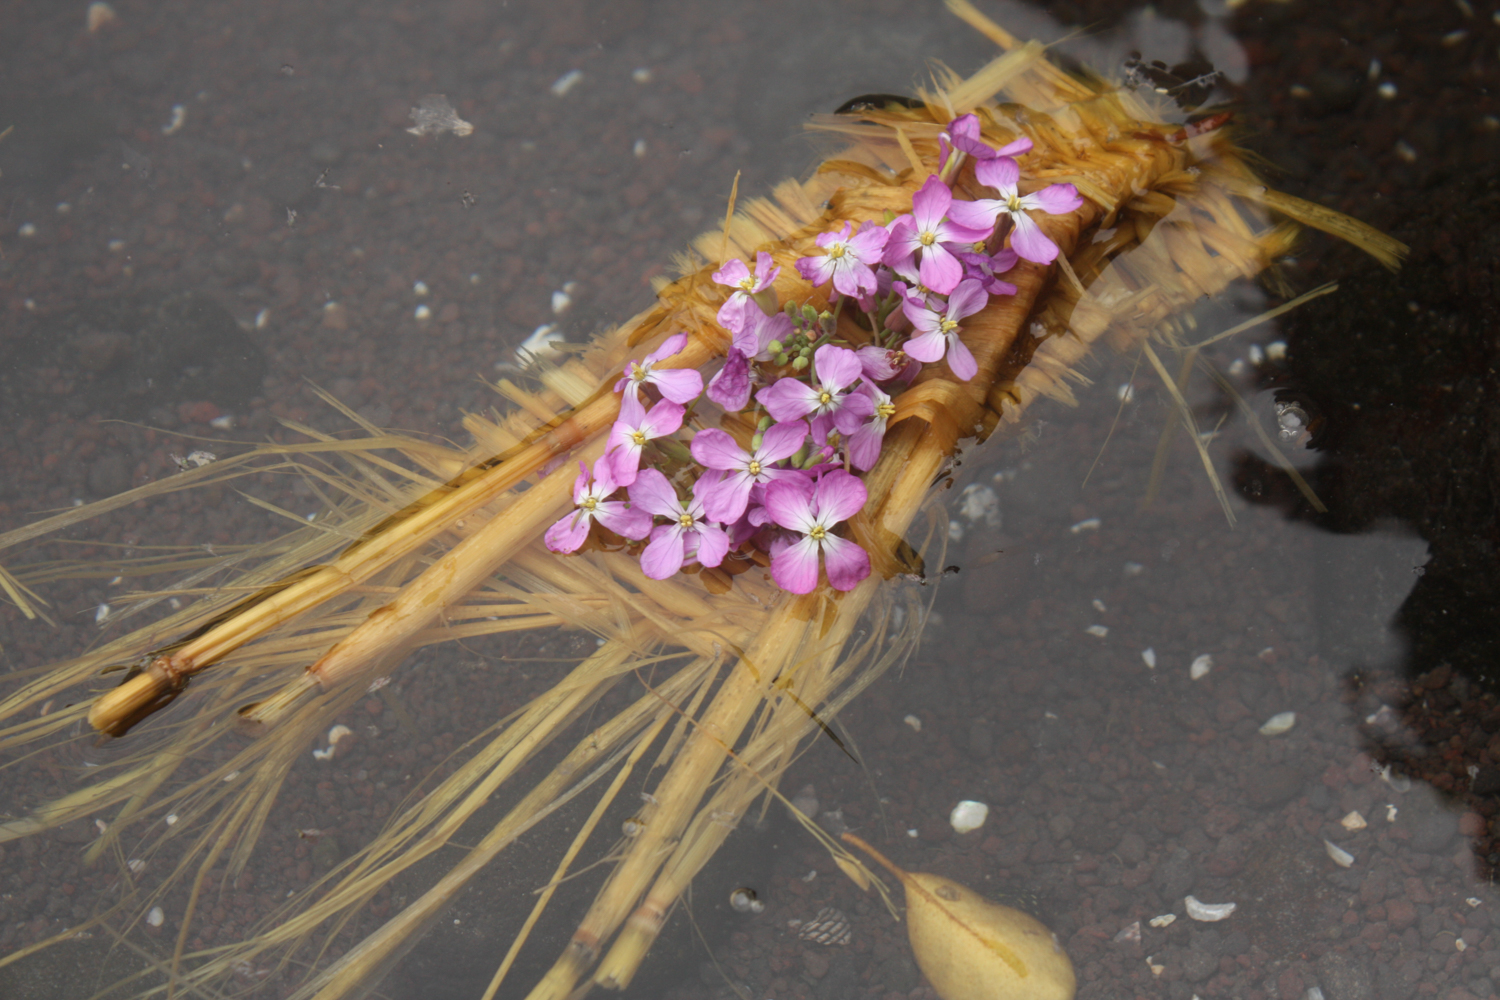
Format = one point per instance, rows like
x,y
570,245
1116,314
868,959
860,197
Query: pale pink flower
x,y
688,534
746,285
715,449
835,369
633,429
847,262
1027,239
929,232
814,513
680,385
593,504
863,446
938,329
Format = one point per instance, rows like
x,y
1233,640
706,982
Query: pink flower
x,y
715,449
746,285
1027,239
634,428
864,444
848,262
688,534
759,330
680,385
938,329
984,267
927,231
814,513
593,505
730,387
835,369
963,135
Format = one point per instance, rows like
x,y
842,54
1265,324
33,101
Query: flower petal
x,y
930,346
961,359
732,273
1028,240
781,441
1001,173
652,493
1055,199
665,417
789,502
930,203
664,555
836,367
795,568
727,500
668,347
680,385
838,496
864,445
568,533
940,270
789,398
1016,148
847,563
625,521
977,214
713,544
730,388
713,448
967,299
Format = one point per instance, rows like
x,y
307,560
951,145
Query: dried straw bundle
x,y
737,666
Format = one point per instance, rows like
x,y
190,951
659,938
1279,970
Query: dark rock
x,y
1198,965
1132,848
1344,977
1273,785
1175,876
1487,781
109,474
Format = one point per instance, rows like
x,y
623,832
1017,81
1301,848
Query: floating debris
x,y
1340,857
829,927
540,345
419,289
156,917
1353,821
1165,920
968,815
1207,912
335,734
194,460
914,722
1148,656
1279,723
433,115
1087,524
806,801
1201,666
744,900
566,82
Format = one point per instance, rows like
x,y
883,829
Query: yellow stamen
x,y
836,251
825,397
818,533
639,437
686,520
753,468
589,503
928,238
885,411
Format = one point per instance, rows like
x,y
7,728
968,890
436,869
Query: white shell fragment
x,y
566,82
136,866
1099,631
1353,821
1390,813
1165,920
155,918
1148,657
539,346
829,927
1399,782
433,115
969,815
1207,912
1087,524
1279,723
1130,934
1201,666
334,735
744,901
1340,857
914,722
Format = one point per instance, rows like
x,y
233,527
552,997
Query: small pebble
x,y
1201,666
567,82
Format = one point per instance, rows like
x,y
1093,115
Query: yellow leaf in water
x,y
972,949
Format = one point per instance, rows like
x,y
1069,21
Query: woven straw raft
x,y
431,545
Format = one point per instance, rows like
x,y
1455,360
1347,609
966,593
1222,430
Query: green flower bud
x,y
809,315
775,347
782,358
805,352
800,363
755,440
764,424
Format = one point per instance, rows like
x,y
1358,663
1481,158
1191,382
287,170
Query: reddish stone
x,y
1401,913
1471,824
1289,984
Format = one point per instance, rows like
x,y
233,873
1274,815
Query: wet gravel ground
x,y
172,269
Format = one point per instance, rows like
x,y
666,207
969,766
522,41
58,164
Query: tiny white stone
x,y
1460,944
968,815
223,423
1134,569
1473,901
1098,605
261,318
566,82
1390,813
1087,524
419,288
561,301
641,74
1340,857
1126,393
115,246
136,865
1279,723
63,208
421,314
27,229
155,918
1207,912
101,613
914,722
179,115
1399,782
1098,630
1256,354
171,819
1165,920
1148,655
639,149
913,833
1201,666
1353,821
1276,350
1313,993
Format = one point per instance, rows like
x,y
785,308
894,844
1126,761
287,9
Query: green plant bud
x,y
782,358
809,315
800,363
755,440
805,352
764,424
790,309
775,347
